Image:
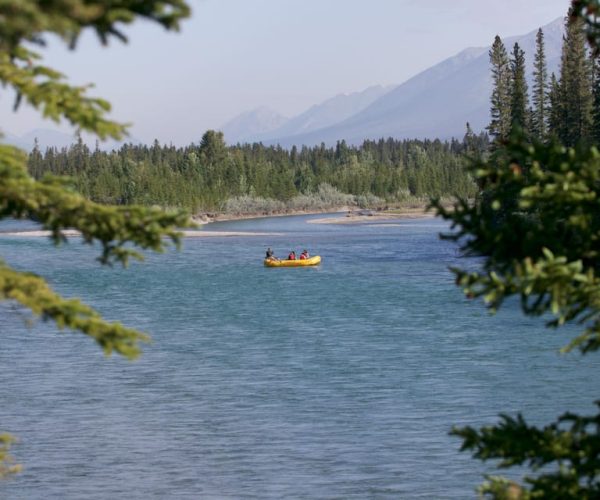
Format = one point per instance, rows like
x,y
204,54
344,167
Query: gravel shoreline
x,y
409,212
347,216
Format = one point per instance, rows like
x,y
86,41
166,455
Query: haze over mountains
x,y
260,124
436,103
253,123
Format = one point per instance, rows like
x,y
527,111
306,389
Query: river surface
x,y
340,381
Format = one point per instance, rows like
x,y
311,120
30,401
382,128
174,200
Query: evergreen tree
x,y
595,132
575,85
555,111
539,116
518,90
535,228
499,127
35,161
212,147
469,140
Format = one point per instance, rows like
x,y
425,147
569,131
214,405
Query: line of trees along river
x,y
213,176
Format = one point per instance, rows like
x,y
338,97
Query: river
x,y
340,381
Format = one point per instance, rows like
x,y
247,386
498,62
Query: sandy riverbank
x,y
370,217
348,215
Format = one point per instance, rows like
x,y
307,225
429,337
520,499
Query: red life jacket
x,y
292,256
303,256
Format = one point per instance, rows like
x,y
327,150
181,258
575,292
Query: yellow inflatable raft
x,y
313,261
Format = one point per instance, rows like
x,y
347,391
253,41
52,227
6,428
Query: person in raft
x,y
304,255
270,254
292,255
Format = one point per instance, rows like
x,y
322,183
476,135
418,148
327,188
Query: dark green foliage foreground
x,y
536,223
210,176
52,201
565,107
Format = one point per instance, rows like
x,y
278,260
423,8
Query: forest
x,y
563,108
248,178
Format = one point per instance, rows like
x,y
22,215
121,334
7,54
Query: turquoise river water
x,y
340,381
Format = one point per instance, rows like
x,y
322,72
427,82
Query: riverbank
x,y
347,215
410,210
369,216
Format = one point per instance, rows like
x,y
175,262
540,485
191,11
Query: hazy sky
x,y
236,55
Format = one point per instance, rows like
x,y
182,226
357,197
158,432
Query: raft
x,y
312,261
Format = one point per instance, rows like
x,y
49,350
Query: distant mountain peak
x,y
327,113
435,103
249,123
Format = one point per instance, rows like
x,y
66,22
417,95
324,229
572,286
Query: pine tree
x,y
35,160
535,227
555,111
213,149
518,89
595,132
575,85
499,127
539,117
469,140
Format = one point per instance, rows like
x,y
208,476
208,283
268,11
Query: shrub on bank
x,y
324,198
252,205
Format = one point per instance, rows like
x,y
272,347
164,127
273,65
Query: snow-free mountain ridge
x,y
325,114
436,103
244,127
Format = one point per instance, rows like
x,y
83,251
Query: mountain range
x,y
261,123
436,103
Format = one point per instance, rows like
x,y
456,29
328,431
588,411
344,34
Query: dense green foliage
x,y
536,224
518,95
567,108
575,87
500,111
211,176
44,88
50,200
539,98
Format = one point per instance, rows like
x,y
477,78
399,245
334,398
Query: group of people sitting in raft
x,y
292,256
